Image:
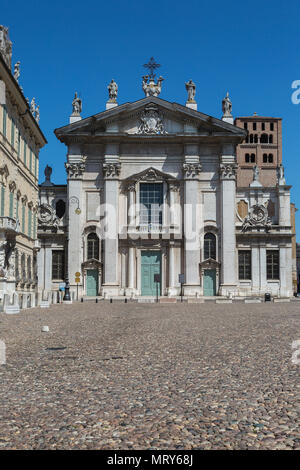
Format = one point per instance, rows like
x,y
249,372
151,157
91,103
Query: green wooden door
x,y
151,264
92,282
209,282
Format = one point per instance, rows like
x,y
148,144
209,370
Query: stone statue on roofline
x,y
76,105
191,90
32,106
17,71
37,114
227,106
112,91
280,175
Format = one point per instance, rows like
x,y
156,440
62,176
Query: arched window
x,y
209,246
264,139
265,158
270,139
23,267
251,138
60,208
252,158
255,138
92,246
29,272
270,158
247,158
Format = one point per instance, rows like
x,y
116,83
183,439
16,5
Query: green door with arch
x,y
92,282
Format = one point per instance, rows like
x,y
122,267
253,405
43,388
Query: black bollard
x,y
110,300
267,297
81,299
96,300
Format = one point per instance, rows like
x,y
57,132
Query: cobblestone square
x,y
147,376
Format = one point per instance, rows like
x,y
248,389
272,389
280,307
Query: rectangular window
x,y
273,264
11,205
151,200
25,150
245,264
29,222
34,226
35,166
19,145
12,133
272,126
17,209
58,261
4,123
23,218
2,200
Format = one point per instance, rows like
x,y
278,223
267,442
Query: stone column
x,y
111,170
228,169
255,269
75,169
284,206
172,274
285,274
131,267
48,267
173,189
131,207
263,269
192,220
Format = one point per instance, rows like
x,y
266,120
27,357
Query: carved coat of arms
x,y
258,217
47,216
151,121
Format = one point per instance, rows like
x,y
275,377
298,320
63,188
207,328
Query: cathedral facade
x,y
152,204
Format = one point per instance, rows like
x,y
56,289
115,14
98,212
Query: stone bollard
x,y
38,299
54,297
2,353
33,299
45,329
6,300
24,300
11,308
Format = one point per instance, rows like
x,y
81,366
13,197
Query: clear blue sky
x,y
249,48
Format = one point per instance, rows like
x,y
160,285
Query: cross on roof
x,y
152,65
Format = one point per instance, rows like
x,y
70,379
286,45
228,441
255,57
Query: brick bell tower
x,y
262,147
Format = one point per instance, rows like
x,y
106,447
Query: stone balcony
x,y
150,231
9,225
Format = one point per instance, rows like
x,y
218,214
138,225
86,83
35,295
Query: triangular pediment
x,y
151,174
149,116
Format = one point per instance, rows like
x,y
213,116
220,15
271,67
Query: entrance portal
x,y
92,282
209,282
150,265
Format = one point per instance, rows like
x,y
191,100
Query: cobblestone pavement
x,y
144,376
